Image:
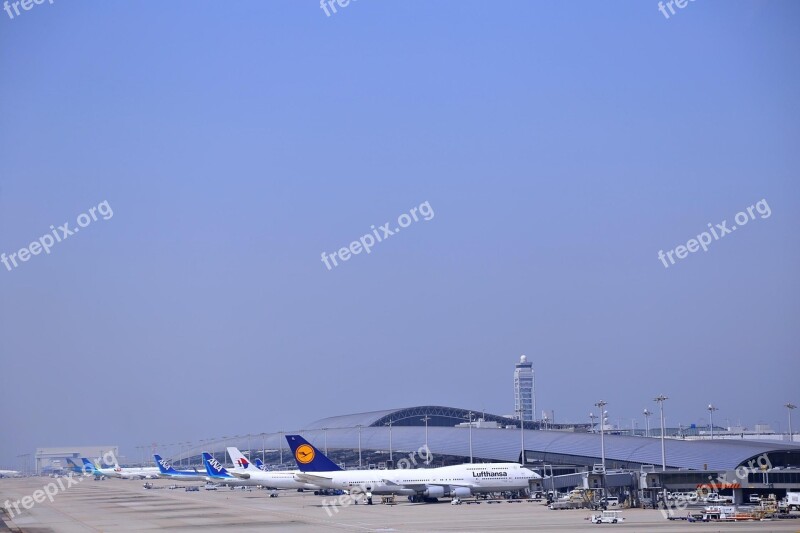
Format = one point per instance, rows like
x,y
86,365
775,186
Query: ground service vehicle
x,y
607,517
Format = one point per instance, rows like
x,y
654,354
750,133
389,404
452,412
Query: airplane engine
x,y
460,492
434,492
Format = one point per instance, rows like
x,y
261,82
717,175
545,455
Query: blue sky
x,y
561,145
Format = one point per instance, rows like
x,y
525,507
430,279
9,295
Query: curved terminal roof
x,y
559,447
413,416
407,434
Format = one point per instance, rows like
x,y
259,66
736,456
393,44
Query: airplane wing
x,y
240,475
419,487
311,478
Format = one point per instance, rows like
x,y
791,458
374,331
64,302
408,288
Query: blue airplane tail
x,y
88,466
213,467
74,466
163,466
309,458
260,465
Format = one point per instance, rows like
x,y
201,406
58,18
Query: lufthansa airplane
x,y
419,484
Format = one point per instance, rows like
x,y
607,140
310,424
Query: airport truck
x,y
577,499
791,502
607,517
567,504
717,513
714,497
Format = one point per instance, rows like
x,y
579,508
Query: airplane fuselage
x,y
277,479
461,480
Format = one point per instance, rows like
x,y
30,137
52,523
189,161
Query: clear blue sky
x,y
560,144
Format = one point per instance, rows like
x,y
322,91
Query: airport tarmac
x,y
125,505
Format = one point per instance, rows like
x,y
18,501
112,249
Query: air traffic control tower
x,y
524,397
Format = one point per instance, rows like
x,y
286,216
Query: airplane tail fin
x,y
73,465
238,458
163,466
260,465
309,458
88,466
213,467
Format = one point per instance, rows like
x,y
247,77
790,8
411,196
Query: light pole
x,y
647,414
237,440
222,441
263,448
427,449
711,410
391,458
592,416
790,407
325,437
661,399
470,436
280,442
359,445
522,435
600,405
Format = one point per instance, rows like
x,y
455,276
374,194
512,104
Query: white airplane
x,y
10,473
457,481
150,472
270,479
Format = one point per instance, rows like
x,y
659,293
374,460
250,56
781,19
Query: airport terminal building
x,y
568,453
